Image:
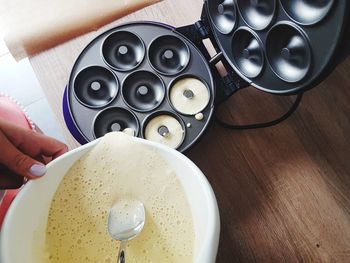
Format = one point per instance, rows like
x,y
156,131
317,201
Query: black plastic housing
x,y
262,55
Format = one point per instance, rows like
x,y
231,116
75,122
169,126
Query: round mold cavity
x,y
165,128
123,50
223,14
307,12
95,87
169,55
258,14
188,95
143,91
248,52
114,119
288,52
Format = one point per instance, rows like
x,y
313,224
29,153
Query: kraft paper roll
x,y
32,26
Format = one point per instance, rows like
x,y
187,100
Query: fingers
x,y
19,162
31,143
48,146
25,152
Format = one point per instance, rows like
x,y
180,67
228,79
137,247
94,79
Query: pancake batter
x,y
130,131
166,130
199,116
189,96
118,168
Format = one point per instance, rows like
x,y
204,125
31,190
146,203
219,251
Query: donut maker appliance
x,y
123,78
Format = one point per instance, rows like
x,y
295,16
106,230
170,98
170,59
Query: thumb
x,y
19,162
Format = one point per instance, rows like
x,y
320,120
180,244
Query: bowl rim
x,y
208,250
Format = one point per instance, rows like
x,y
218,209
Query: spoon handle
x,y
121,252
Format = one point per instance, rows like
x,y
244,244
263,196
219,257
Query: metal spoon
x,y
125,221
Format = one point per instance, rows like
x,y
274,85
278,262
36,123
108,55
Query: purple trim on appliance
x,y
69,121
161,24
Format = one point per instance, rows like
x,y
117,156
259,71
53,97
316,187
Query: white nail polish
x,y
37,170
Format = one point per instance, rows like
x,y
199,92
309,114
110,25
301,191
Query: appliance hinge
x,y
226,86
202,29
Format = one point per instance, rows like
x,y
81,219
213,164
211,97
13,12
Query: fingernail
x,y
37,170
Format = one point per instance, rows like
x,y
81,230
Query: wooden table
x,y
283,192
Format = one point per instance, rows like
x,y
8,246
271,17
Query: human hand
x,y
24,154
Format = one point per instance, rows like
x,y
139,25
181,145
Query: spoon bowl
x,y
125,221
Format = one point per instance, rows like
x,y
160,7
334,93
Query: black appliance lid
x,y
282,47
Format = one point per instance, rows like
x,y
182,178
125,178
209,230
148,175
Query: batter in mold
x,y
166,130
189,95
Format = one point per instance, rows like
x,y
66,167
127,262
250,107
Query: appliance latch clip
x,y
202,29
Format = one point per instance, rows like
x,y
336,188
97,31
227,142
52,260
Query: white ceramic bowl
x,y
27,216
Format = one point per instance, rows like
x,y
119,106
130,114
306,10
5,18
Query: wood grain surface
x,y
283,192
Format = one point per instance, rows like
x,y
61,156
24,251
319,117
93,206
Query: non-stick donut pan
x,y
123,77
279,46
